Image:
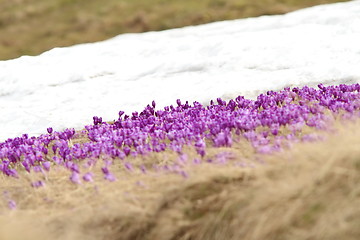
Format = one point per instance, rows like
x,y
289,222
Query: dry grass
x,y
311,191
29,27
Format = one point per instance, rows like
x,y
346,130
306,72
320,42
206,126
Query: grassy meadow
x,y
30,27
308,190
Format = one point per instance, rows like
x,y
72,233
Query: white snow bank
x,y
66,87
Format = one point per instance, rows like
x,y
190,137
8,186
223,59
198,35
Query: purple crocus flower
x,y
107,174
49,130
129,166
75,178
46,165
38,169
196,161
105,170
12,204
184,174
11,172
88,177
37,184
143,169
110,177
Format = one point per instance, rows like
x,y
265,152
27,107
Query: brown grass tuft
x,y
311,191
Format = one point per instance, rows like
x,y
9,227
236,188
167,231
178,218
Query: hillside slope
x,y
29,27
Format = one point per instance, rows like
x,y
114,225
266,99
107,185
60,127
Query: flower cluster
x,y
266,123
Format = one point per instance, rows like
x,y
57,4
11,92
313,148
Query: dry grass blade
x,y
311,191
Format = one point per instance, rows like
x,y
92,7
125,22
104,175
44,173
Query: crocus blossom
x,y
273,121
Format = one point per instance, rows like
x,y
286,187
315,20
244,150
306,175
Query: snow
x,y
66,87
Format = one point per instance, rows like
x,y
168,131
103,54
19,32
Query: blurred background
x,y
30,27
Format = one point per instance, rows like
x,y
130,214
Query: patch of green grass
x,y
29,27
